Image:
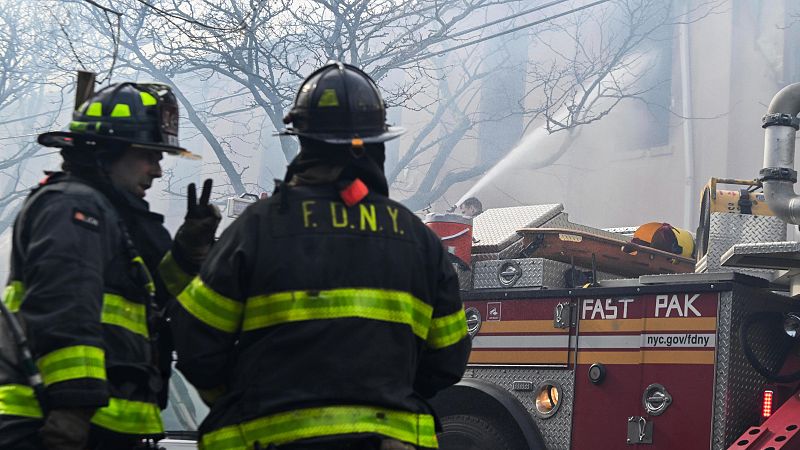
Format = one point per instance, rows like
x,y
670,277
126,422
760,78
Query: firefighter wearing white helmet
x,y
86,284
327,313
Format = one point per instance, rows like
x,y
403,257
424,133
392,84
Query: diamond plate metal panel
x,y
555,430
738,386
496,228
765,248
729,229
535,273
512,251
464,277
484,257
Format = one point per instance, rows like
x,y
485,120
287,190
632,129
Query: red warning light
x,y
766,404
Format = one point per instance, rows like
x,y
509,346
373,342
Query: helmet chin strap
x,y
357,148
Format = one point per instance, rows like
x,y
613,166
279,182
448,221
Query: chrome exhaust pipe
x,y
778,175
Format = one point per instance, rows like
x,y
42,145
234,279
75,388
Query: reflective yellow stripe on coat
x,y
174,277
210,307
417,429
19,400
13,294
129,417
124,313
121,416
447,330
377,304
69,363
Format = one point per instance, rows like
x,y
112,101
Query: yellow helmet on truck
x,y
664,236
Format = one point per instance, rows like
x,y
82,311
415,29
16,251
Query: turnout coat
x,y
316,319
76,286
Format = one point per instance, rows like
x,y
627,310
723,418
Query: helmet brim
x,y
66,139
387,135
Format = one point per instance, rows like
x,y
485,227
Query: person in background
x,y
471,207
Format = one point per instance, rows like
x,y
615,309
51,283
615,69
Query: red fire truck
x,y
584,339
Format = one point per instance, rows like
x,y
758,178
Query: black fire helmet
x,y
339,104
136,115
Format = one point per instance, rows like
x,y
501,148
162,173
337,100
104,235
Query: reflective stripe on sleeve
x,y
447,330
174,277
378,304
417,429
69,363
124,313
211,308
130,417
12,296
19,400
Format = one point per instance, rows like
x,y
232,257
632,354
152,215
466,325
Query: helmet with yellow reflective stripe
x,y
339,104
130,115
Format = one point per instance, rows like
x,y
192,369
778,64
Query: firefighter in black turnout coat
x,y
327,314
85,281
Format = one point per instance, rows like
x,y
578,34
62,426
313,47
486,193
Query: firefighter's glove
x,y
195,237
67,429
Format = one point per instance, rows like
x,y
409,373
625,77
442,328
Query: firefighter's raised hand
x,y
201,209
195,237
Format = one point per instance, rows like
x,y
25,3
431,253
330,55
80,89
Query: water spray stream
x,y
538,148
529,144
